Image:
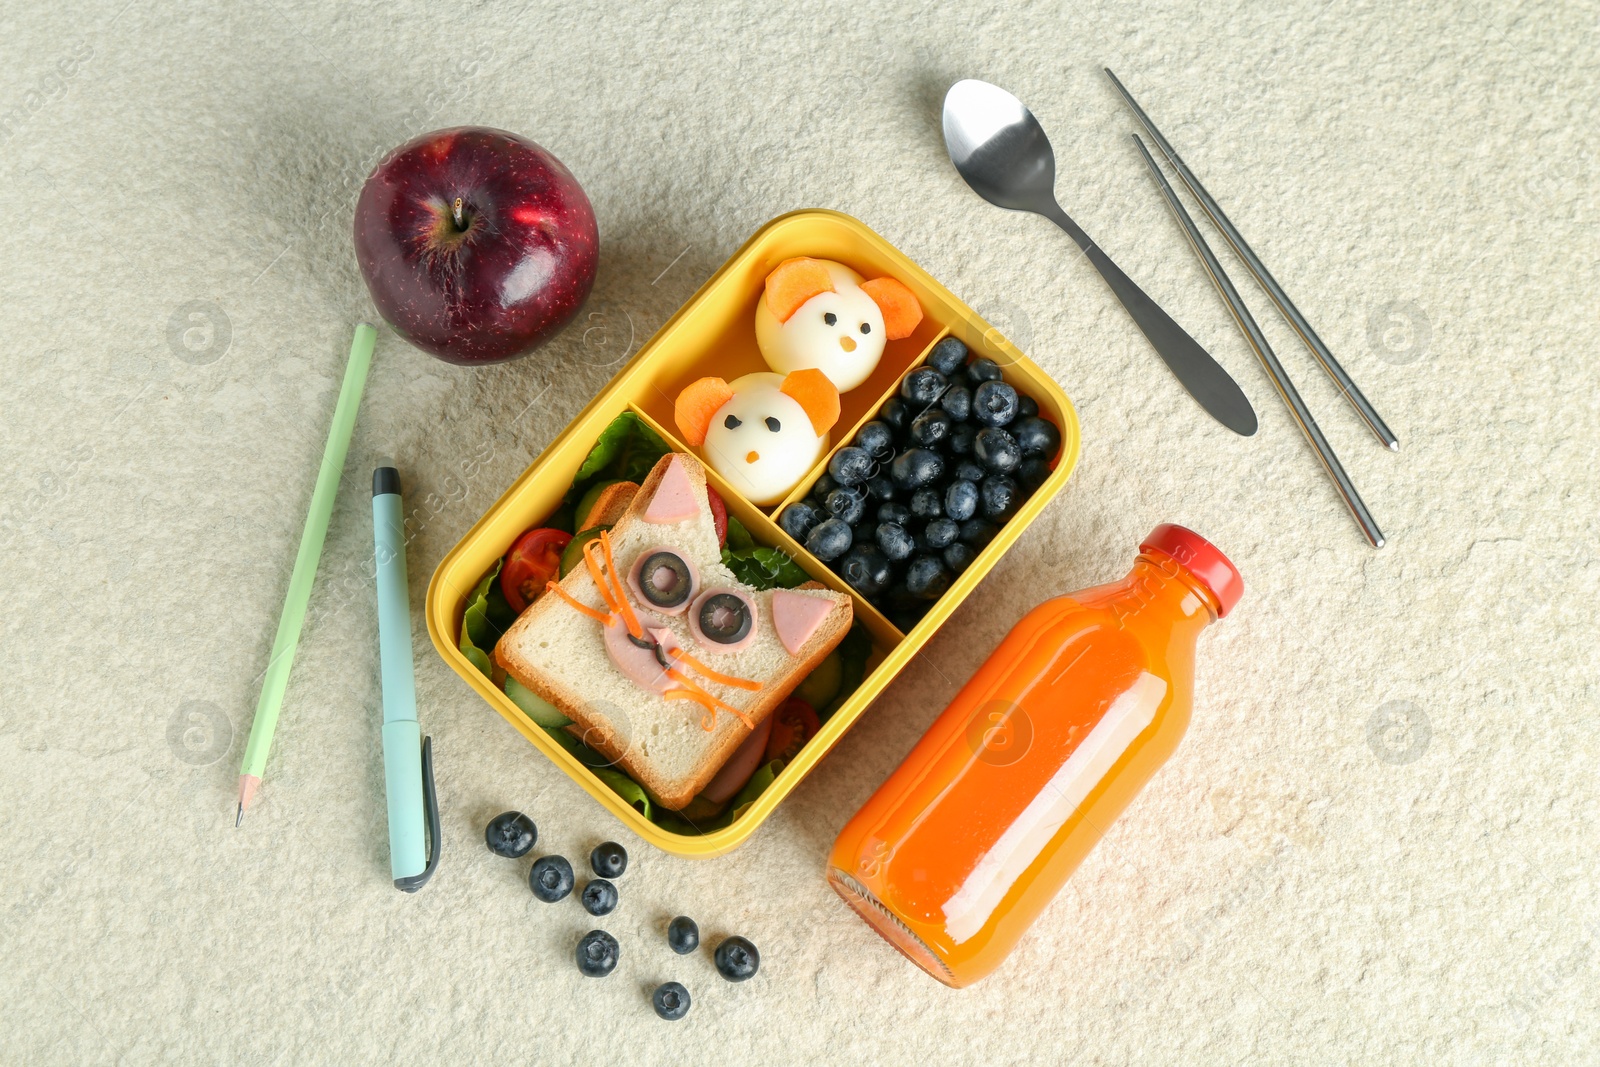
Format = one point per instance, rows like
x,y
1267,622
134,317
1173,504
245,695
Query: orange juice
x,y
968,840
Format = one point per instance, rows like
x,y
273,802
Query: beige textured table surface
x,y
1377,843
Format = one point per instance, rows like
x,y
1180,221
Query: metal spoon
x,y
1002,152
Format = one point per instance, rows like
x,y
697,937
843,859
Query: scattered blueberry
x,y
876,439
1027,407
997,450
866,569
959,443
1033,472
926,578
850,465
927,504
958,557
948,356
881,488
1000,496
608,859
977,532
1036,436
895,542
798,518
599,897
829,539
895,412
970,470
510,834
931,427
961,500
994,404
550,878
671,1001
983,370
896,513
737,959
597,954
683,936
847,505
916,467
957,402
941,533
921,388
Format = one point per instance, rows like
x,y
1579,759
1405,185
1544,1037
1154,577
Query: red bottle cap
x,y
1202,559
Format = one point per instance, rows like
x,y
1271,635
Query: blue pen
x,y
407,775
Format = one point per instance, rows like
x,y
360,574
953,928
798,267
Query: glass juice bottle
x,y
968,840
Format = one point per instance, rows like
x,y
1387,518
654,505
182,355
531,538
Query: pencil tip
x,y
238,820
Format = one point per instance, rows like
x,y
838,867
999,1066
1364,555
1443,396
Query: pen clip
x,y
430,801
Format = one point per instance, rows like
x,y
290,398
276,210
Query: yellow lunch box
x,y
714,334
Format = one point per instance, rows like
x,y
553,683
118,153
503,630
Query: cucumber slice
x,y
537,707
822,684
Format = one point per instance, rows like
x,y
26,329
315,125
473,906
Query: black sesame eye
x,y
731,422
830,318
773,424
866,327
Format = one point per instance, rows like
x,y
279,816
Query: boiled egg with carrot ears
x,y
815,314
761,432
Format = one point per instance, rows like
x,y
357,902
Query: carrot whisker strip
x,y
709,719
715,676
689,684
610,595
628,616
599,616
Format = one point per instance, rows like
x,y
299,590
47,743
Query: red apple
x,y
477,245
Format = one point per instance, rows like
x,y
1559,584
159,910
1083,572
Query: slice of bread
x,y
609,506
560,653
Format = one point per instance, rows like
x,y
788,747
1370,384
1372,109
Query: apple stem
x,y
461,221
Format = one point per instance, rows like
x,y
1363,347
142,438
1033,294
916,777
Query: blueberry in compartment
x,y
876,439
983,370
969,470
851,465
1036,436
847,505
510,834
961,500
881,488
922,388
1033,472
829,539
926,578
597,954
994,404
825,484
958,557
608,859
866,569
957,403
550,878
737,959
894,540
927,503
798,518
683,935
941,533
895,412
1027,407
1000,497
895,513
948,356
961,440
599,897
996,449
671,1001
916,467
978,532
931,427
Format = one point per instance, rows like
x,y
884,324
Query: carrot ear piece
x,y
793,282
901,312
814,392
694,407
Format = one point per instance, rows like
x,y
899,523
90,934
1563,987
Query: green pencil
x,y
305,567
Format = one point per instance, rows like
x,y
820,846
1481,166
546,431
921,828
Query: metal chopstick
x,y
1351,393
1269,359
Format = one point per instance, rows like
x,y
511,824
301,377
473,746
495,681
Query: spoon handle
x,y
1206,381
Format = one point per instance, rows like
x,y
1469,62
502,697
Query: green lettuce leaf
x,y
764,568
478,633
625,451
739,539
854,651
601,768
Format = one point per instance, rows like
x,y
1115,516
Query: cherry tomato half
x,y
719,515
534,559
793,724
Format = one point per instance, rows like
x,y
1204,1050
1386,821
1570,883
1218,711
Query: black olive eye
x,y
731,422
773,424
866,327
830,318
724,618
664,579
